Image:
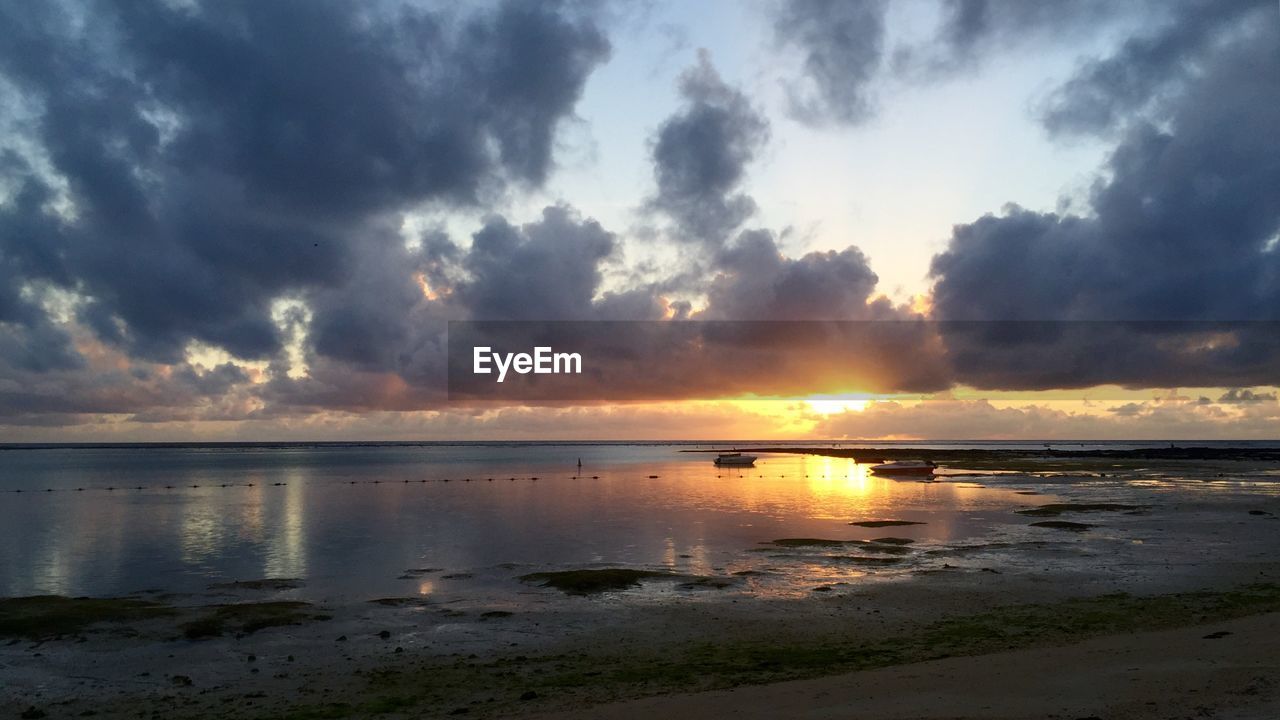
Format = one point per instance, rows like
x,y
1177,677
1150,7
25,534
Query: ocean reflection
x,y
286,554
351,521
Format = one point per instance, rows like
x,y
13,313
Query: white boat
x,y
734,458
905,467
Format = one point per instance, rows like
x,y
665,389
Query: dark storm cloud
x,y
219,156
369,321
548,270
1105,92
1182,229
34,343
380,342
842,43
845,57
178,392
970,30
216,381
755,281
700,156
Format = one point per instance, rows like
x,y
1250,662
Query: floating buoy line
x,y
406,481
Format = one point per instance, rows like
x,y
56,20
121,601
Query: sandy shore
x,y
1164,674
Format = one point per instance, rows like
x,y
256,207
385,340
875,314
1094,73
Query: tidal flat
x,y
488,599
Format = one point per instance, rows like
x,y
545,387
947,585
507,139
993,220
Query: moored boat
x,y
735,459
905,467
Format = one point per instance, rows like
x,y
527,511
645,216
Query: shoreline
x,y
1217,669
343,666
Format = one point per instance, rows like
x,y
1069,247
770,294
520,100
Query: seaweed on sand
x,y
864,560
263,584
1056,509
401,602
812,542
248,618
591,582
43,616
896,547
884,523
1063,525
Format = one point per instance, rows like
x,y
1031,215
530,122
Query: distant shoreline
x,y
969,454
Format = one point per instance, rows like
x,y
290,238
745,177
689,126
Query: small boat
x,y
736,459
905,467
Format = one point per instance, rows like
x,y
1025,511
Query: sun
x,y
833,406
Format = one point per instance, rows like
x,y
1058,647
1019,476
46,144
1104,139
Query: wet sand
x,y
1221,670
392,660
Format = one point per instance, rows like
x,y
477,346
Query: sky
x,y
1016,218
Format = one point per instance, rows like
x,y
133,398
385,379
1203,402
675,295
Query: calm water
x,y
363,521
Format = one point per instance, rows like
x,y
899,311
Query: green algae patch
x,y
248,618
1056,509
44,616
884,523
1064,525
593,582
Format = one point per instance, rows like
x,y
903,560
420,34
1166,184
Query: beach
x,y
1170,673
806,577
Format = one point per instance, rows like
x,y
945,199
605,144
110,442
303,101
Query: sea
x,y
464,522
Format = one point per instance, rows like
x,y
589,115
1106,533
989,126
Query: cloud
x,y
842,43
700,155
846,59
1180,229
953,419
547,270
1238,396
1106,93
182,167
755,281
236,176
969,31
